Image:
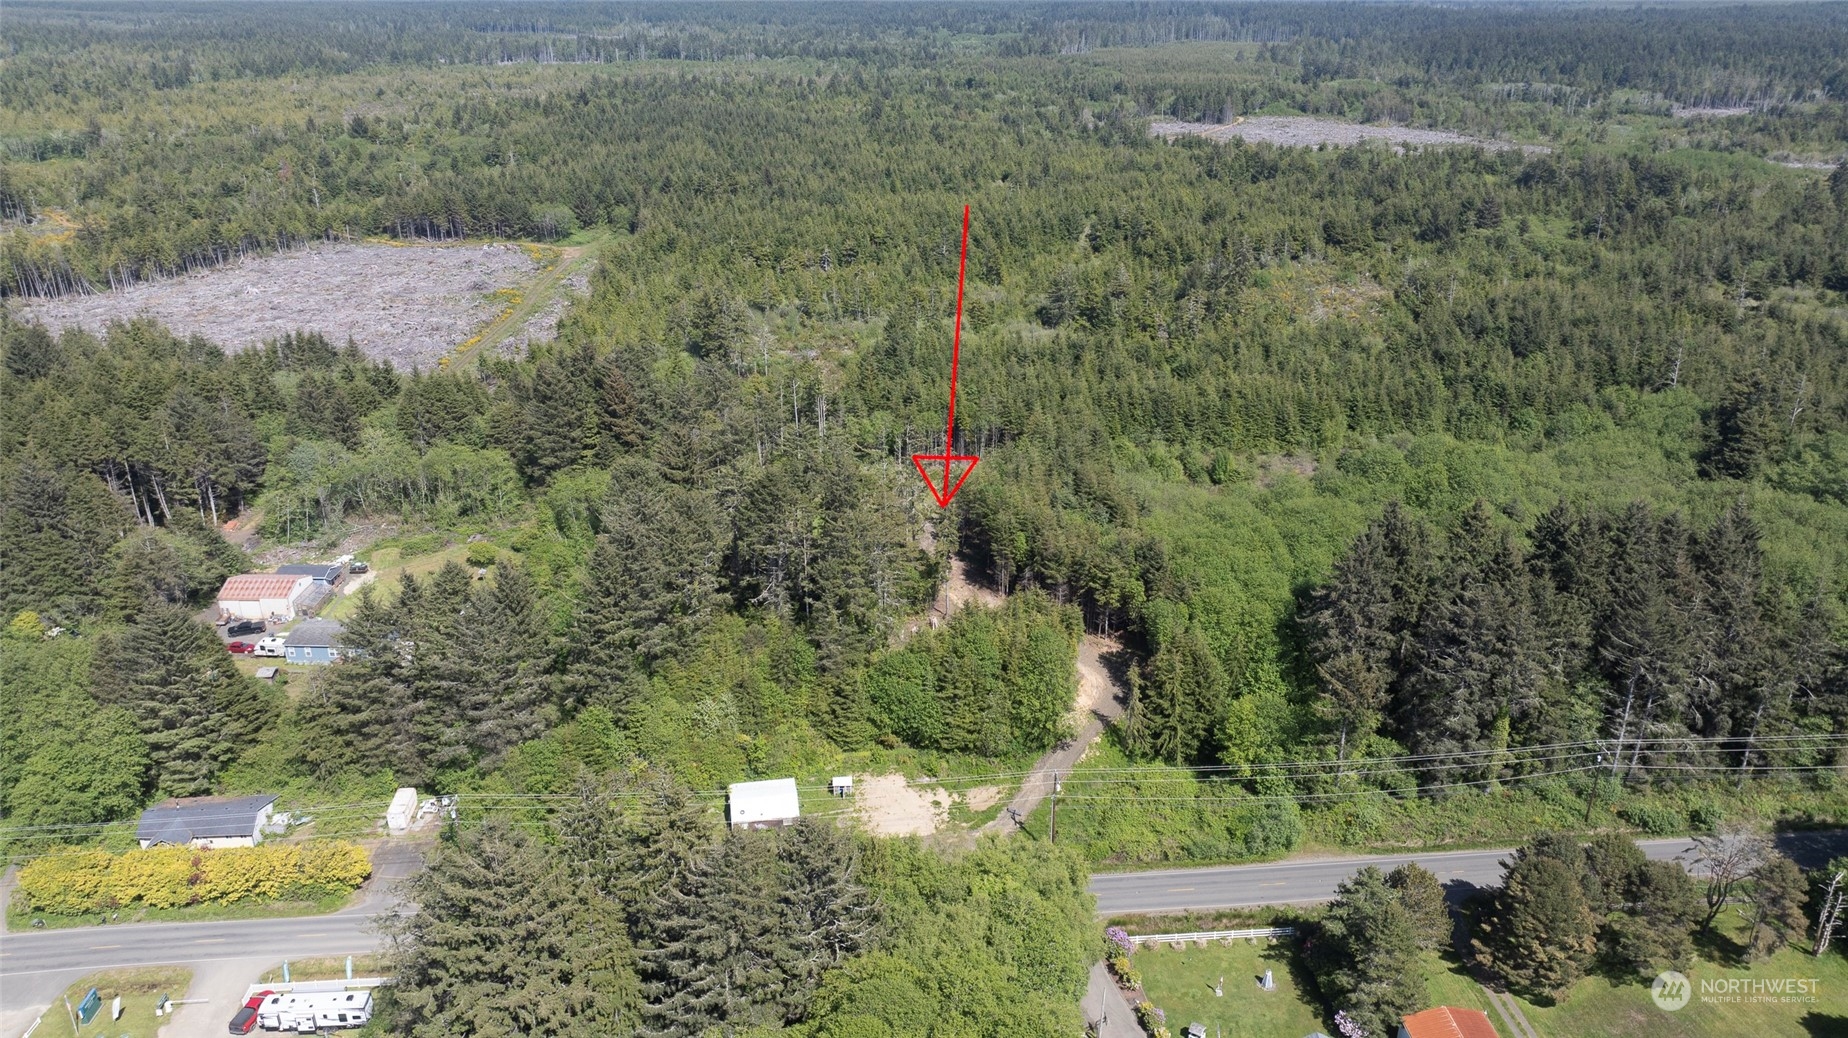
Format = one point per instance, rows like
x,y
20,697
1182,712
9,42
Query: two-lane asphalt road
x,y
1312,880
35,965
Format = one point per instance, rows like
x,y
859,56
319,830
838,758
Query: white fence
x,y
1210,935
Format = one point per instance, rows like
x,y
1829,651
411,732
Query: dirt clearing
x,y
889,805
1303,132
407,304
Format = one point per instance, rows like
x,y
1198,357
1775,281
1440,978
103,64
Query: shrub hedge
x,y
77,881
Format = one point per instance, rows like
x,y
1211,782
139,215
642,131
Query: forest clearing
x,y
406,304
1292,131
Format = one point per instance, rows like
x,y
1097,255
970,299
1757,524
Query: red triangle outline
x,y
944,498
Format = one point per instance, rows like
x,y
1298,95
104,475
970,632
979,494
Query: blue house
x,y
313,641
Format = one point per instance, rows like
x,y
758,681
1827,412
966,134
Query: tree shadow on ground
x,y
1824,1025
1289,953
1716,947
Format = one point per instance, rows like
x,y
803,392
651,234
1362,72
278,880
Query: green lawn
x,y
1180,982
1599,1008
390,566
1449,984
332,968
140,989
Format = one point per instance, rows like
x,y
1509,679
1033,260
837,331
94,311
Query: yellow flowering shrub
x,y
159,877
251,873
65,882
333,867
74,882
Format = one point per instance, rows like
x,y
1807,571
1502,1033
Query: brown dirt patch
x,y
889,805
981,798
406,304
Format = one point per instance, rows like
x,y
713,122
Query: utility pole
x,y
1597,778
1831,913
1052,823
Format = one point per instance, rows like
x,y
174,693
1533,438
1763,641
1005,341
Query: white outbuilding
x,y
770,804
254,596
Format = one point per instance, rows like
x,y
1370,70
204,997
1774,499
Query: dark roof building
x,y
313,641
206,821
322,572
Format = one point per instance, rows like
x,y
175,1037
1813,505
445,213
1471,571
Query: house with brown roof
x,y
254,596
1447,1022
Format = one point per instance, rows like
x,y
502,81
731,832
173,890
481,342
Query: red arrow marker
x,y
945,492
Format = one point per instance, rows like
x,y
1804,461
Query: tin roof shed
x,y
770,802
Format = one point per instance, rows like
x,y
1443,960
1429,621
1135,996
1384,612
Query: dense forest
x,y
1408,485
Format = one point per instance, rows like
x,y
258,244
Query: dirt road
x,y
1103,696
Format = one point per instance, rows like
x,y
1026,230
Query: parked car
x,y
243,627
246,1019
359,567
240,647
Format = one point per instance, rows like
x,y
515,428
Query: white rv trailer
x,y
314,1012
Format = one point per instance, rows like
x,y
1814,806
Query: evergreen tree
x,y
1746,433
195,710
488,682
1423,898
56,529
358,716
718,945
1478,658
1776,911
632,840
1653,929
1365,953
970,680
1611,863
1353,640
1176,700
558,427
827,914
1538,933
506,940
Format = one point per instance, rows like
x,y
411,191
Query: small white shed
x,y
769,804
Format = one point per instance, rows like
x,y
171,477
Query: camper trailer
x,y
315,1012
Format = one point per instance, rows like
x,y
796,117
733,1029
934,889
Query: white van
x,y
270,646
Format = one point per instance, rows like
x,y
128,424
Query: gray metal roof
x,y
317,570
195,818
314,634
